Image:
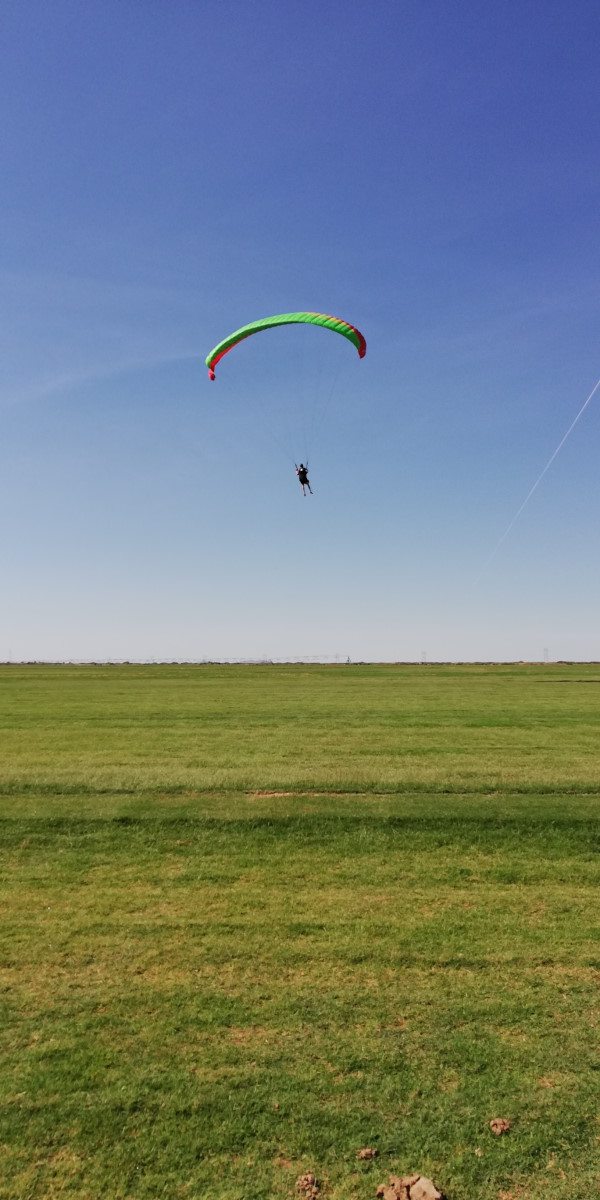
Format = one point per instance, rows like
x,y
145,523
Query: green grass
x,y
206,991
365,728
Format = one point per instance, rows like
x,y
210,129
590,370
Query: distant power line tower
x,y
546,655
423,656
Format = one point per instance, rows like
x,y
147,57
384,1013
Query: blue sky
x,y
430,172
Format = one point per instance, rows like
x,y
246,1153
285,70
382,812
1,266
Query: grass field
x,y
208,987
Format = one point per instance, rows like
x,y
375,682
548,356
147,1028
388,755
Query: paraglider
x,y
298,318
302,473
336,324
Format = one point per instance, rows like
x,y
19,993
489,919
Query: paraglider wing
x,y
298,318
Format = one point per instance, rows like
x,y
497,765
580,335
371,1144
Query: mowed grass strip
x,y
365,728
207,1007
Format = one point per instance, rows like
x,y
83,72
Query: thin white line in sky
x,y
537,482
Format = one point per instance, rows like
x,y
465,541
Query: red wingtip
x,y
211,373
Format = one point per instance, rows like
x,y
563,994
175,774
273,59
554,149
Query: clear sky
x,y
171,171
